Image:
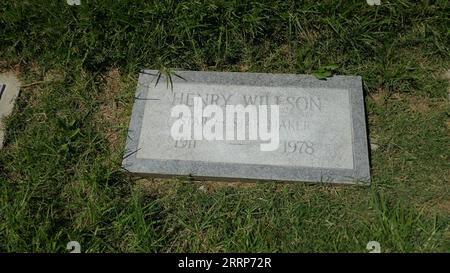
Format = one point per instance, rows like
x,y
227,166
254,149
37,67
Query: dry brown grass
x,y
111,117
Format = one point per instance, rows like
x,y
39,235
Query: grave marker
x,y
322,127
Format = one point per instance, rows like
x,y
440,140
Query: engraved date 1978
x,y
297,146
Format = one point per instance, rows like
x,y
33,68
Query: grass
x,y
60,175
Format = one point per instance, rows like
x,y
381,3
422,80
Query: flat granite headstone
x,y
322,128
9,91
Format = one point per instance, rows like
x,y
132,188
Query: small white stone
x,y
374,146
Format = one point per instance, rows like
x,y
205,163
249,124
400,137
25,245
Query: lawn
x,y
60,170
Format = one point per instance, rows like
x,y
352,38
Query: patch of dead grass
x,y
439,205
420,104
444,205
111,115
417,104
167,186
157,187
380,96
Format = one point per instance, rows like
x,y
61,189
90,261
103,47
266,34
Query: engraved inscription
x,y
298,147
315,126
299,103
185,144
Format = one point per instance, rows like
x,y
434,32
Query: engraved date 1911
x,y
297,146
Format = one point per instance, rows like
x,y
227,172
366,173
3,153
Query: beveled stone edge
x,y
253,172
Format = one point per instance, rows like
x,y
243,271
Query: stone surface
x,y
322,128
9,91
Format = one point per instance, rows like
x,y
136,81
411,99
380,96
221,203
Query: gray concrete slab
x,y
322,128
